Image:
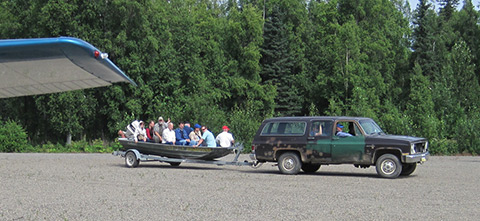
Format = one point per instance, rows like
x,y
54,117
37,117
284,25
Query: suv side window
x,y
350,127
321,128
284,128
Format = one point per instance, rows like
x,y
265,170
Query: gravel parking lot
x,y
100,187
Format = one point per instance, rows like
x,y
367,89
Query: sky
x,y
414,3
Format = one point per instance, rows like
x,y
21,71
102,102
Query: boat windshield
x,y
370,127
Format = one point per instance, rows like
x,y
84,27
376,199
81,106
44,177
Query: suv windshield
x,y
370,127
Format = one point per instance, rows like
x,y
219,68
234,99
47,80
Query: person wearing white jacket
x,y
168,135
140,133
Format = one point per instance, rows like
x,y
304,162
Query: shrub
x,y
244,124
53,148
29,149
96,147
78,146
13,137
115,145
468,134
443,146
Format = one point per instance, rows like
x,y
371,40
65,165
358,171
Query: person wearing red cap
x,y
225,139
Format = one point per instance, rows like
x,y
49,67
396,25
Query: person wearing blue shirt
x,y
181,135
340,132
207,137
187,128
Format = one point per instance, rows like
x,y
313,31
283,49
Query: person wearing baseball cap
x,y
158,129
340,132
195,135
225,139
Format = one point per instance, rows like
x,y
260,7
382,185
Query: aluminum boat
x,y
175,151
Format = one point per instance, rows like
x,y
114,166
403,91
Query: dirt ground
x,y
99,187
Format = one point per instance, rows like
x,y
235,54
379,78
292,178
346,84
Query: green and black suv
x,y
308,142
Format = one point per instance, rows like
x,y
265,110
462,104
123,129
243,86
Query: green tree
x,y
277,62
9,24
369,56
320,54
13,137
465,90
426,43
421,106
447,8
465,23
67,113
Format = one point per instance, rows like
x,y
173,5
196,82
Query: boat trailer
x,y
133,157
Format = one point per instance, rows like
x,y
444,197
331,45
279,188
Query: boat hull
x,y
175,151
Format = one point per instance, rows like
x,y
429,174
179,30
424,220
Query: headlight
x,y
412,148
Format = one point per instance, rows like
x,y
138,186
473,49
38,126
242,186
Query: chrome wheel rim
x,y
130,159
288,163
388,166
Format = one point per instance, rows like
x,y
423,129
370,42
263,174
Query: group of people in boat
x,y
163,132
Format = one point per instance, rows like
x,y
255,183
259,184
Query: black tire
x,y
388,166
131,160
310,167
175,164
408,169
289,163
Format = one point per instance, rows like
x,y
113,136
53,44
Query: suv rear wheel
x,y
388,166
289,163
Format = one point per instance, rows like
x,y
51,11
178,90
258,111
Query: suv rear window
x,y
284,128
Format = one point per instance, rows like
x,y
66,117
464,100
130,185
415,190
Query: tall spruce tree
x,y
466,25
447,8
421,105
426,42
278,62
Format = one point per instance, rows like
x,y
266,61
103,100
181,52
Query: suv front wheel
x,y
388,166
408,169
289,163
310,167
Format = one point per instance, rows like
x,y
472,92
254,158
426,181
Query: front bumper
x,y
416,158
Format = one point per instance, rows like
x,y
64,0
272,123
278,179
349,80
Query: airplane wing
x,y
50,65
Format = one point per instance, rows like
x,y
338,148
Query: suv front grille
x,y
420,147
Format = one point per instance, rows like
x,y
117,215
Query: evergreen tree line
x,y
237,62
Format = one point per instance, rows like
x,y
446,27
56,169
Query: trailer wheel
x,y
131,160
174,164
289,163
